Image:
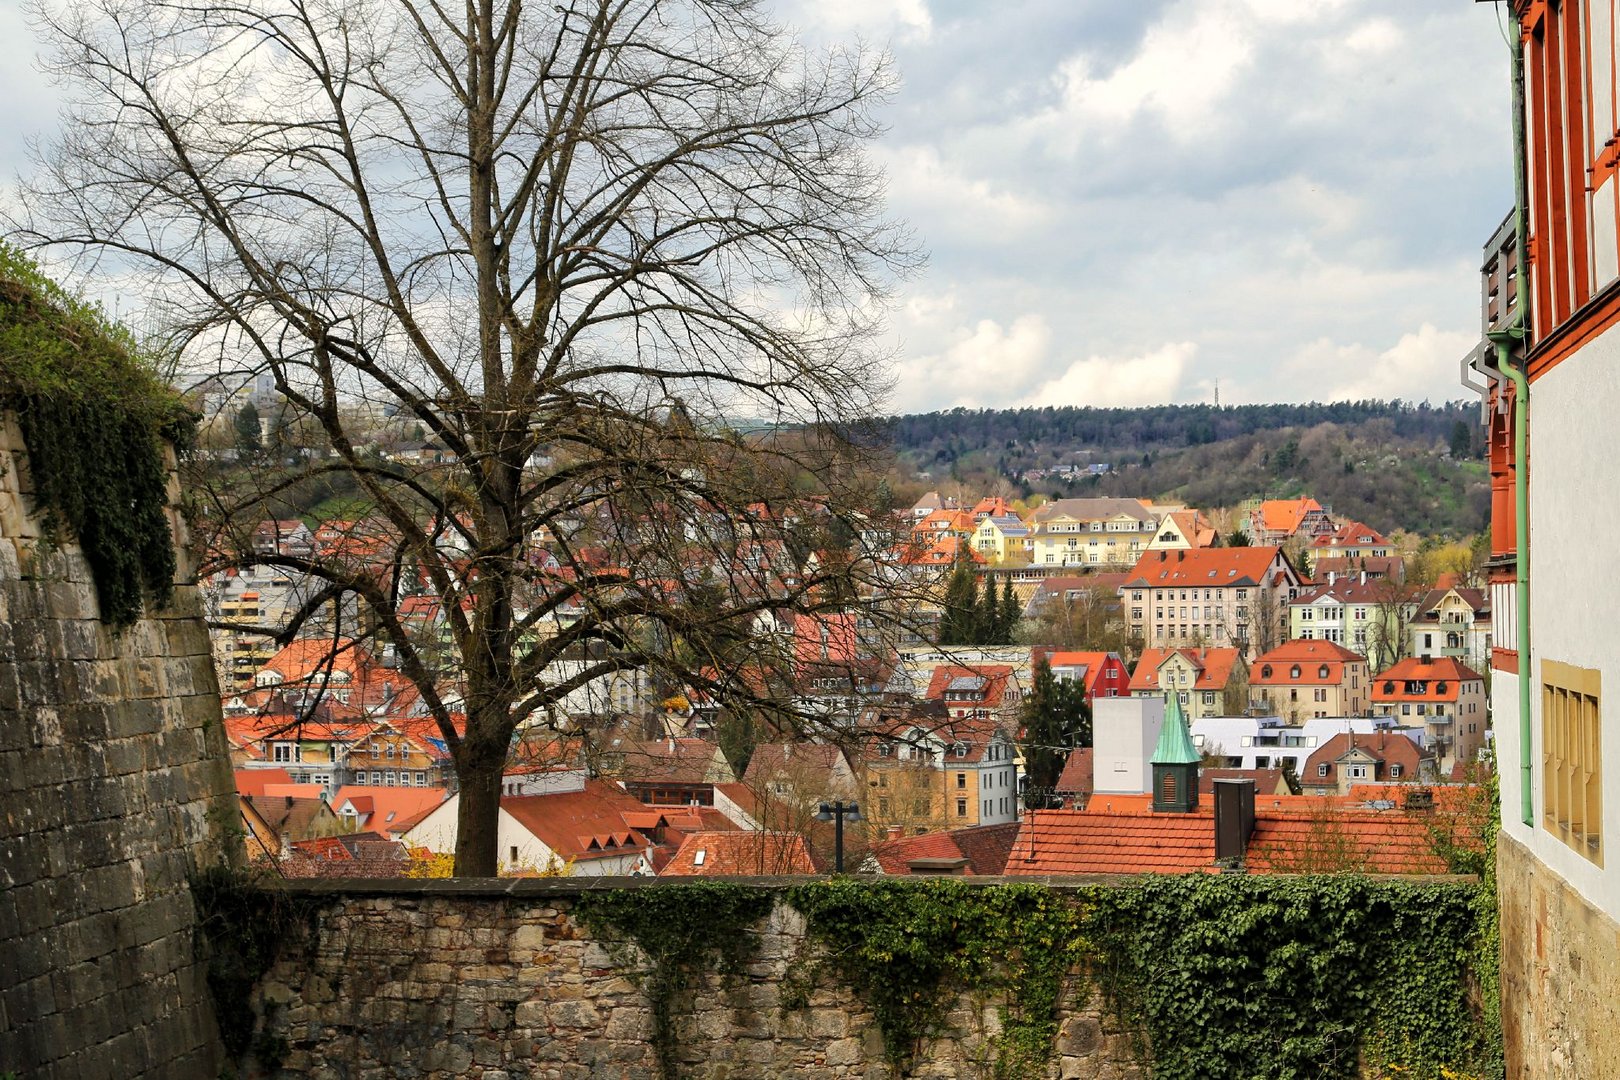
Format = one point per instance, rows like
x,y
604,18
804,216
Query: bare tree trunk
x,y
478,814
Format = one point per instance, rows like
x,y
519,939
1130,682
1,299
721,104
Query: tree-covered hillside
x,y
1390,464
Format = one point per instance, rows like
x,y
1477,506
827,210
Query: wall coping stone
x,y
540,888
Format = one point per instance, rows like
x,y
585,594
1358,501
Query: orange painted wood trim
x,y
1576,332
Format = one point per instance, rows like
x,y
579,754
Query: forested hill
x,y
1390,464
1158,427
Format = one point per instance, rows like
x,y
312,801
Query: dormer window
x,y
1293,672
1265,671
1322,672
884,749
960,750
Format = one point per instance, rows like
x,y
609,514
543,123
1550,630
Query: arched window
x,y
1265,671
1322,672
1293,672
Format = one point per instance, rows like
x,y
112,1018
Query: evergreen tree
x,y
1057,718
248,441
961,592
1237,538
1011,611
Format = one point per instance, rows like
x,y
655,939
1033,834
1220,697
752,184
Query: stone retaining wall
x,y
114,783
1560,970
497,981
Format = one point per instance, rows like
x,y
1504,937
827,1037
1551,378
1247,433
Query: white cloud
x,y
1187,63
986,364
908,18
923,183
1149,379
1421,365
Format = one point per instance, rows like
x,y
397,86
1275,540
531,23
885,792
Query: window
x,y
884,749
1322,770
883,807
1394,772
961,808
1293,672
513,859
961,779
388,778
284,752
1571,762
1265,671
1358,772
961,750
1322,672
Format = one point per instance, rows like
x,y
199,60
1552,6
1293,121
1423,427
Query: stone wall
x,y
497,980
1560,970
114,784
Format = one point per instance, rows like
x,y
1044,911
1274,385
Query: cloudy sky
x,y
1126,203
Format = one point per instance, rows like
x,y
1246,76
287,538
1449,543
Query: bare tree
x,y
565,239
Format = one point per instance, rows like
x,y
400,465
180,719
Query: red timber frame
x,y
1572,157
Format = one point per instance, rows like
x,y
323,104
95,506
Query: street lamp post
x,y
836,811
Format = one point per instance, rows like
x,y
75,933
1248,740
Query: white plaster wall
x,y
1125,731
1574,600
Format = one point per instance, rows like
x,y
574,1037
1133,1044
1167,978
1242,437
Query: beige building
x,y
1219,597
1091,532
1302,679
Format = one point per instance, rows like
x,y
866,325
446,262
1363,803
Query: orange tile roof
x,y
586,824
254,781
1285,515
1204,567
383,809
1213,667
740,853
1310,655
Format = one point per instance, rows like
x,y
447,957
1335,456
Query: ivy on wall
x,y
94,415
1295,977
910,947
683,930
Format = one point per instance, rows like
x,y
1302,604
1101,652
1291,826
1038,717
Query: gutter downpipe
x,y
1504,340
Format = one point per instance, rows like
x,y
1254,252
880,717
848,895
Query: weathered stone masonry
x,y
496,980
114,783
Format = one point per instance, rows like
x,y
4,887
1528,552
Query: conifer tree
x,y
1057,718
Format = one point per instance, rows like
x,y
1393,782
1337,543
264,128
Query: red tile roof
x,y
1204,567
1368,842
1307,835
1391,683
994,682
1077,773
1383,747
740,853
1351,534
1070,842
985,847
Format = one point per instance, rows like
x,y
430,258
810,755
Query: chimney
x,y
1333,576
1234,822
896,832
1364,577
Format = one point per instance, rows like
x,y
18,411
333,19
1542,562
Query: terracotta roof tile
x,y
740,853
